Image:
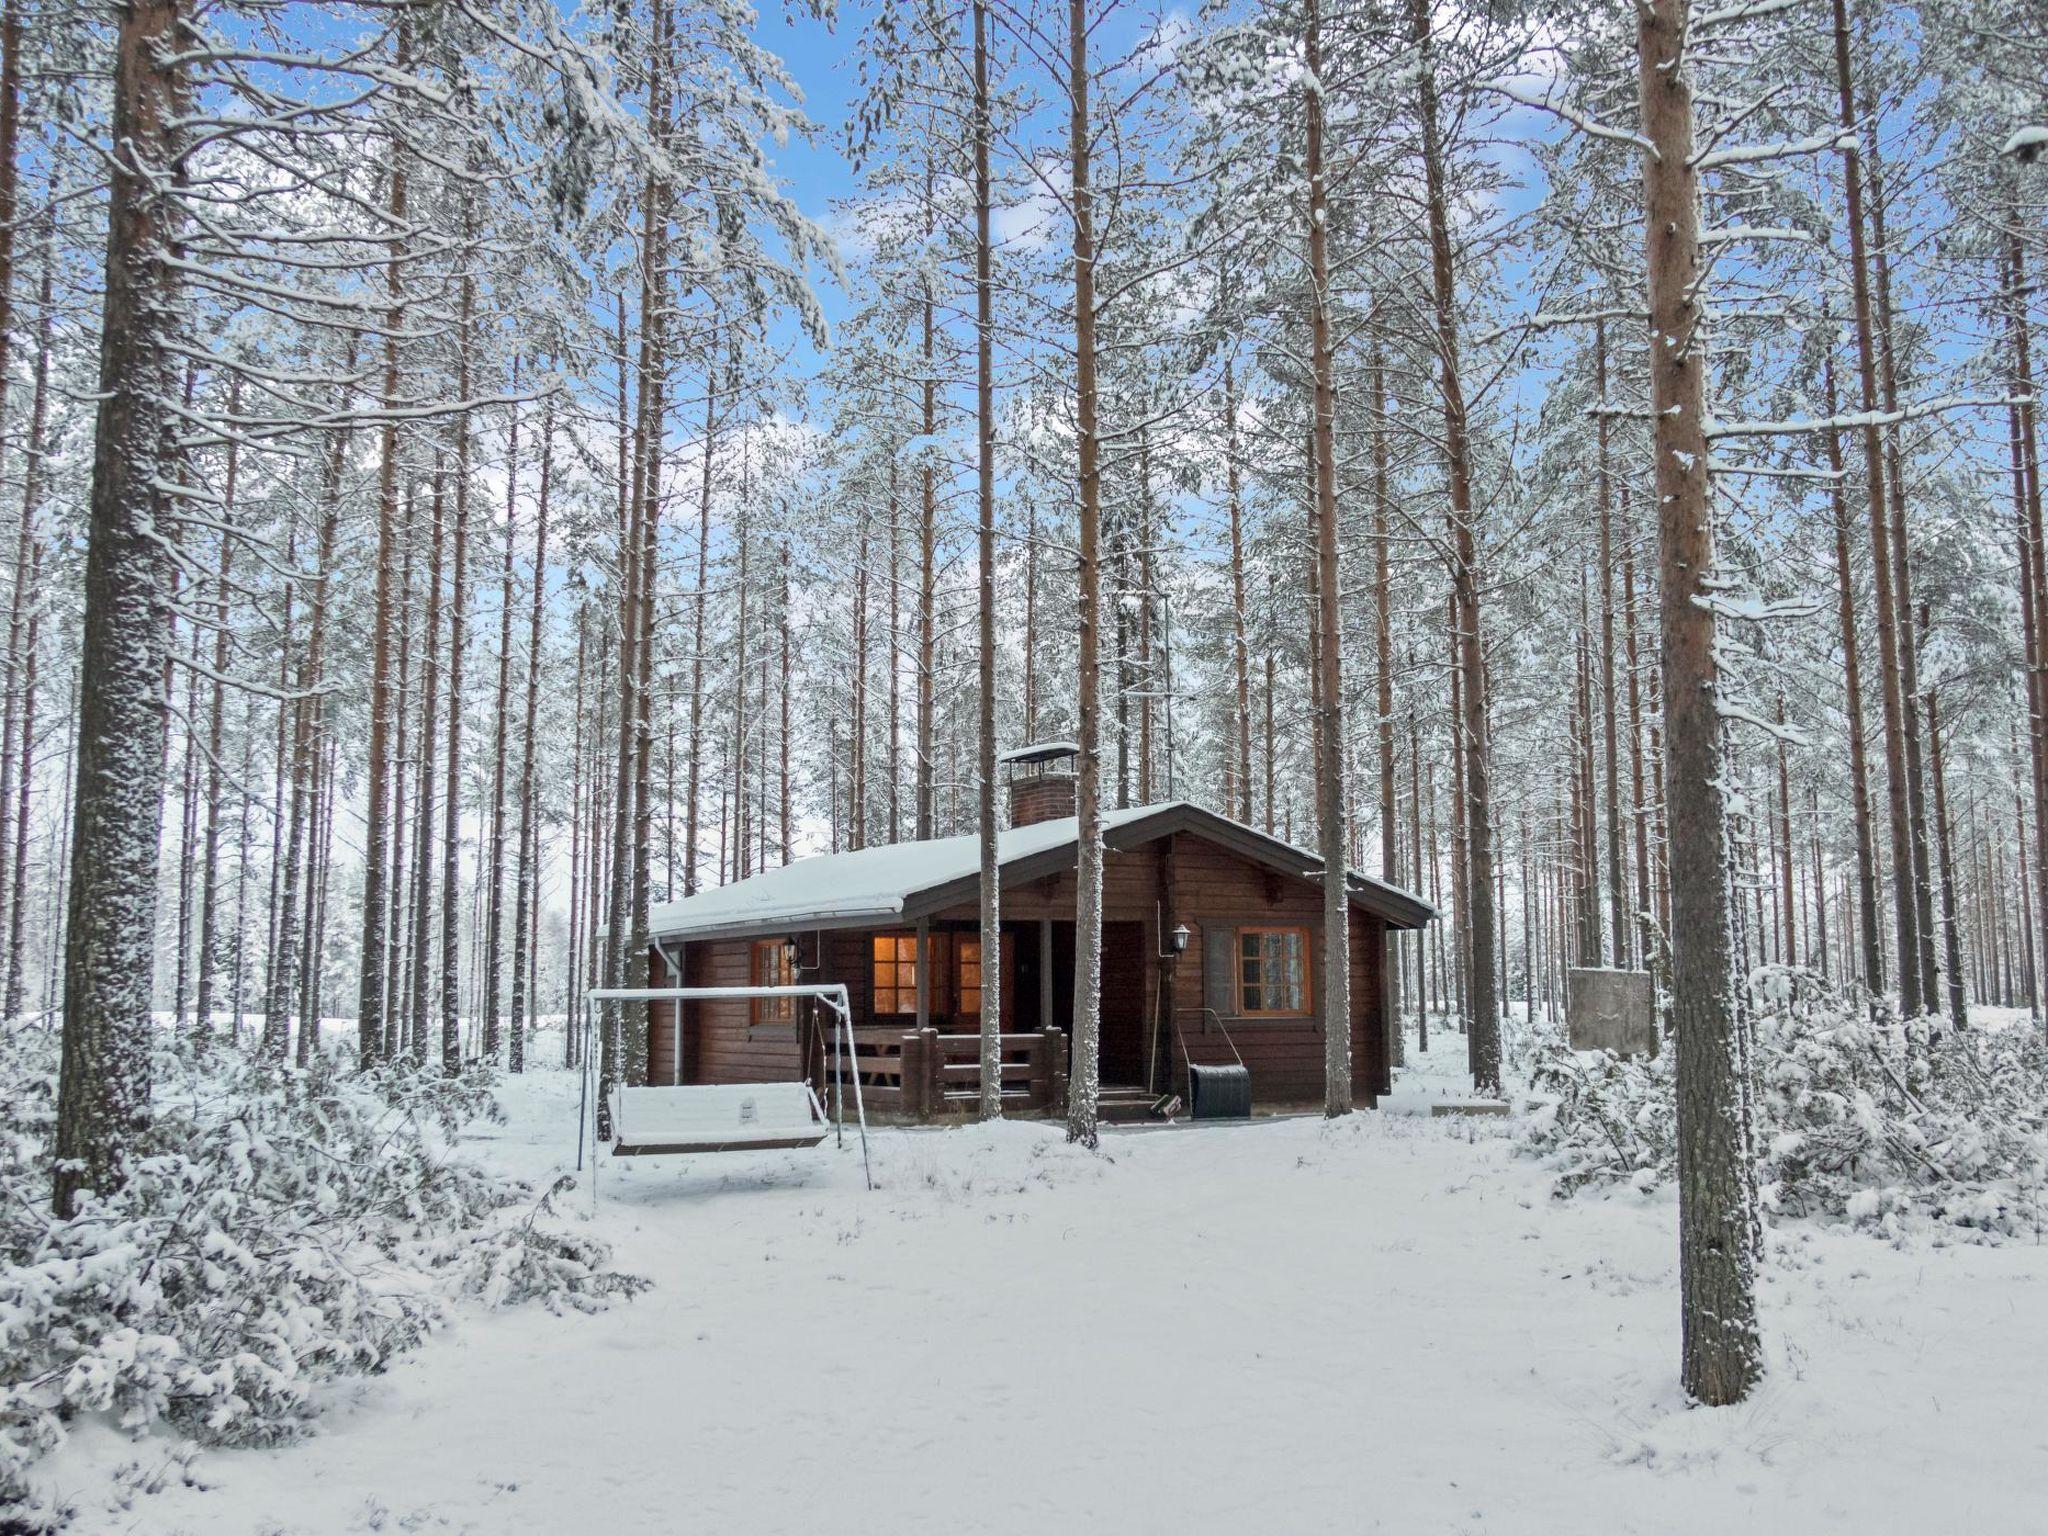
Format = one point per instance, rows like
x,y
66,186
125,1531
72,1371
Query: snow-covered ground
x,y
1385,1324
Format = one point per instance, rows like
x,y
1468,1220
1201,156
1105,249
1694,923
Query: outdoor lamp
x,y
1180,938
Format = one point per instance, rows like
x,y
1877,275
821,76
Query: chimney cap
x,y
1040,753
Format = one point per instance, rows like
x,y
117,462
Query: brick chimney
x,y
1041,781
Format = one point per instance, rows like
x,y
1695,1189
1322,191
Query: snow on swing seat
x,y
715,1117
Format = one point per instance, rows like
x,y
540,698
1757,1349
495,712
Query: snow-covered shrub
x,y
280,1228
1601,1118
1857,1119
1867,1121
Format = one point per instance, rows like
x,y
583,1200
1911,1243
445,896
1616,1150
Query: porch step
x,y
1121,1104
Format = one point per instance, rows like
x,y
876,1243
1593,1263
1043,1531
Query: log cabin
x,y
1212,941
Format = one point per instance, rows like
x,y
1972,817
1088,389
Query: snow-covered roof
x,y
883,884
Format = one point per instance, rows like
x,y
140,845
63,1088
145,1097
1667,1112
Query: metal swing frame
x,y
844,1057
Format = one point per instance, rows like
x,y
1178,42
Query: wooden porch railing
x,y
926,1074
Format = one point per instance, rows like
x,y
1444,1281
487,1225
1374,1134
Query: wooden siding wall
x,y
721,1043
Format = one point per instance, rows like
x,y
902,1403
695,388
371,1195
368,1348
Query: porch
x,y
927,1074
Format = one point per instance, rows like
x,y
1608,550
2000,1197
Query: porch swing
x,y
691,1119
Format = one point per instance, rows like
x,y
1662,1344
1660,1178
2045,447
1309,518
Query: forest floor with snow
x,y
1383,1324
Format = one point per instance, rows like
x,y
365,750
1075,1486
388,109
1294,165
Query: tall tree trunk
x,y
1616,885
927,576
17,908
697,601
117,809
1787,883
501,733
1639,788
1415,844
23,626
1722,1352
1030,620
1459,939
1332,831
742,702
1240,644
1593,945
396,994
525,897
1084,1090
617,941
377,793
423,831
2033,553
458,642
634,1038
1267,696
985,507
1820,878
311,949
1902,577
286,945
623,1058
276,1035
1383,657
572,991
1142,560
1478,800
2031,961
187,854
1888,618
783,812
1871,920
1951,921
895,658
216,726
10,180
857,755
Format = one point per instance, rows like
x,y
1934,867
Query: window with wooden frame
x,y
967,976
772,967
1272,971
893,977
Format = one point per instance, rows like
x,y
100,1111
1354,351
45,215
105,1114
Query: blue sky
x,y
821,59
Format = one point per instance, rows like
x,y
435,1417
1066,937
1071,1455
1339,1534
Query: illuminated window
x,y
969,951
1272,970
772,968
894,979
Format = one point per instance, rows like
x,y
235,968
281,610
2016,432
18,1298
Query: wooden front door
x,y
1124,959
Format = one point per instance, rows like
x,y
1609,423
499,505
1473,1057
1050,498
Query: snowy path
x,y
1382,1326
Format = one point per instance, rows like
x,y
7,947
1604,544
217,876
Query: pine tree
x,y
103,1090
1716,1177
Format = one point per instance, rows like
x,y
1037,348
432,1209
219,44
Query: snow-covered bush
x,y
1601,1118
1867,1121
1857,1119
280,1229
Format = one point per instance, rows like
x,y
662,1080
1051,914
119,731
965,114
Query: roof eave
x,y
781,922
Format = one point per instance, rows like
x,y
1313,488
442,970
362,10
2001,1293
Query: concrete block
x,y
1611,1011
